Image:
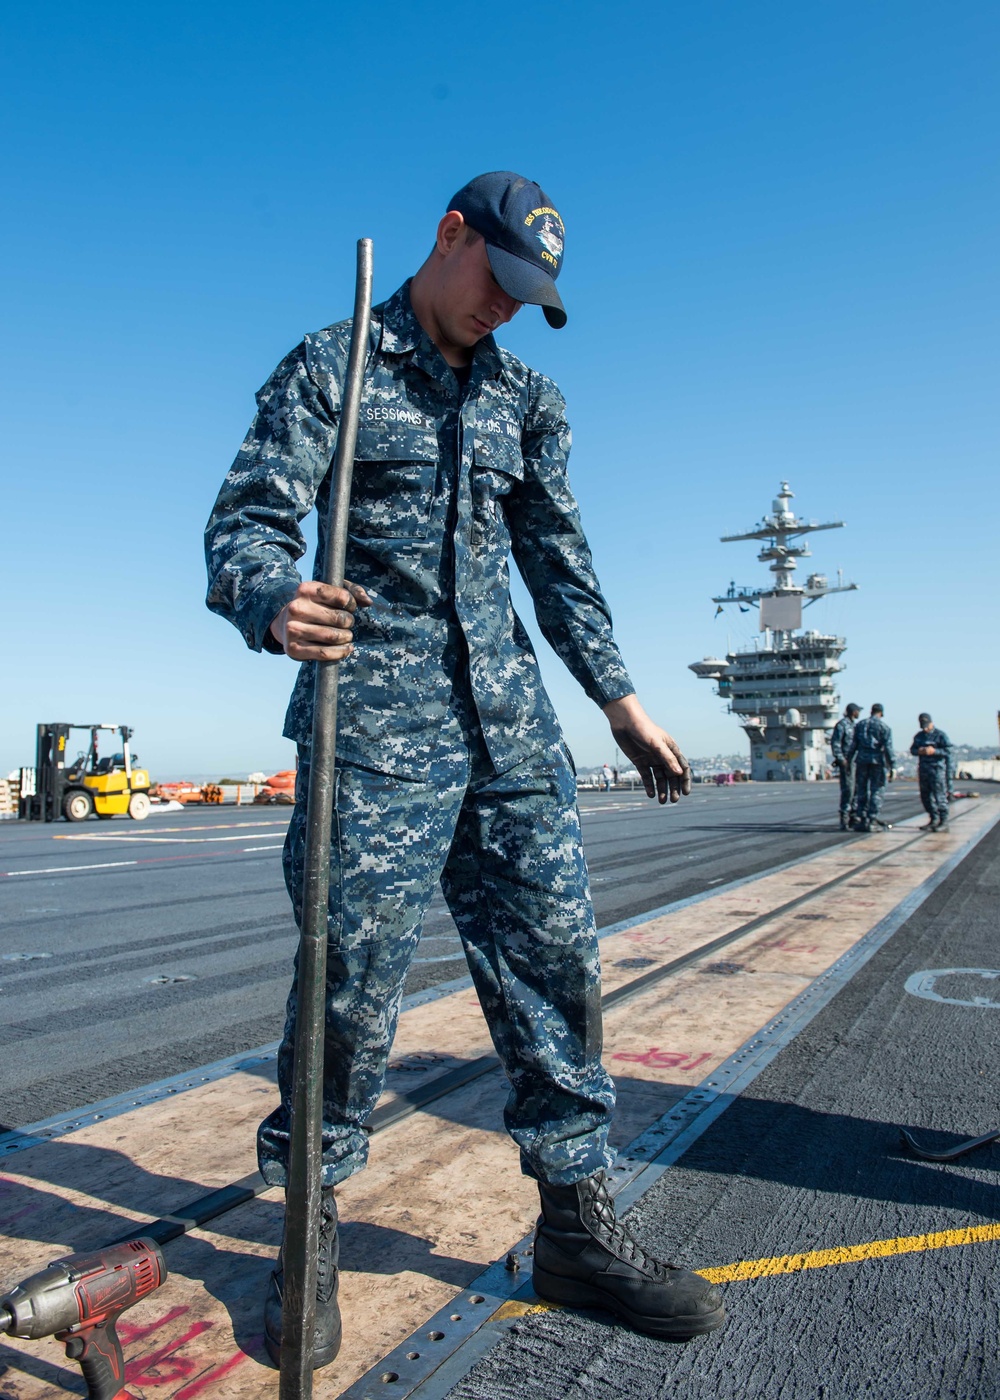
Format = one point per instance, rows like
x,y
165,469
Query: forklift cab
x,y
110,786
114,763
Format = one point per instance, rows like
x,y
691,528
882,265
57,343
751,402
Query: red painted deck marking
x,y
655,1058
187,1392
129,1332
162,1366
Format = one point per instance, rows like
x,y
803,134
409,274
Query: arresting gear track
x,y
209,1207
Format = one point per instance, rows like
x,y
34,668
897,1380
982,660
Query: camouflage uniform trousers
x,y
870,780
845,771
934,789
507,851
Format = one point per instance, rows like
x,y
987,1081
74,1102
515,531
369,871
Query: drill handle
x,y
99,1353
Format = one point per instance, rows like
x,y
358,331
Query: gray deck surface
x,y
191,894
808,1158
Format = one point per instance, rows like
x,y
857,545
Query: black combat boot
x,y
942,823
326,1341
844,824
585,1257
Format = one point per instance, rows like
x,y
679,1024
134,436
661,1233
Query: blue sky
x,y
781,263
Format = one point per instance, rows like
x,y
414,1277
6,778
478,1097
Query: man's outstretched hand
x,y
661,765
318,624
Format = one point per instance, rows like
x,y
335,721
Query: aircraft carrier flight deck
x,y
781,1000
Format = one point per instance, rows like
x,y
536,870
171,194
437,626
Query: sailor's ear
x,y
449,232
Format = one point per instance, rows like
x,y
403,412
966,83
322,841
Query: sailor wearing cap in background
x,y
872,753
932,749
840,742
451,765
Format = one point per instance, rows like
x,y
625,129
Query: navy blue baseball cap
x,y
524,237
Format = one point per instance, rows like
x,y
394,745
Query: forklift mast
x,y
45,803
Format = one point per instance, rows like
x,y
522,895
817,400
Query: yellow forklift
x,y
58,787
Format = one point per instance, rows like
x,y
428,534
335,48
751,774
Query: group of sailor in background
x,y
865,761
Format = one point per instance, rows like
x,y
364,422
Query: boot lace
x,y
329,1253
600,1217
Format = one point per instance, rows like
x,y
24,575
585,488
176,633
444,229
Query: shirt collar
x,y
402,333
487,359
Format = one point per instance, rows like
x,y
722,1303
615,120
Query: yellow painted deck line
x,y
749,1269
850,1254
518,1308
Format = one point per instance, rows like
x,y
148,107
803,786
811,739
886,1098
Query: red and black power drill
x,y
79,1300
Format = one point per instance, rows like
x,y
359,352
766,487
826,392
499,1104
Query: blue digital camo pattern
x,y
869,789
842,737
446,486
934,771
872,742
507,851
452,760
872,752
846,773
934,792
840,743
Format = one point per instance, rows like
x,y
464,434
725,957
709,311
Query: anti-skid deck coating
x,y
416,1232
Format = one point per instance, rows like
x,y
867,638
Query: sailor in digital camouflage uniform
x,y
451,767
874,761
840,743
932,749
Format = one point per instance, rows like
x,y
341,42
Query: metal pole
x,y
302,1196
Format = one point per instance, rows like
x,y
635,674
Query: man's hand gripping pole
x,y
302,1209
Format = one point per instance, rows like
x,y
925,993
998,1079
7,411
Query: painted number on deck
x,y
164,1366
922,984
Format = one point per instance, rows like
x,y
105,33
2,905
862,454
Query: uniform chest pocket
x,y
392,492
497,471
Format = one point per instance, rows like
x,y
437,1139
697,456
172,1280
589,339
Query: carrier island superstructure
x,y
782,689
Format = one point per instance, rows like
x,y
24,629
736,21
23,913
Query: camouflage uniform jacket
x,y
872,742
840,739
938,740
447,483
